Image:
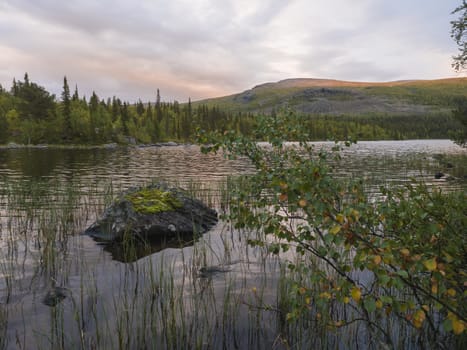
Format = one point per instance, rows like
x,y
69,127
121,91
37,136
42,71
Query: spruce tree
x,y
75,94
158,107
66,110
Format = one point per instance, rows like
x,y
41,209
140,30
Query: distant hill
x,y
335,97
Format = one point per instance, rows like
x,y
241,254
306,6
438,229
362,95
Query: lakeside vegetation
x,y
356,259
255,280
29,114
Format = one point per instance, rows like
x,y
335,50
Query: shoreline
x,y
13,145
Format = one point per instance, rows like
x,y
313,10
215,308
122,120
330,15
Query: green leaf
x,y
384,278
403,273
369,304
328,239
447,325
386,299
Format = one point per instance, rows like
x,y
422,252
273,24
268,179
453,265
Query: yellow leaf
x,y
355,214
377,259
356,294
379,304
458,327
340,218
335,229
346,300
419,315
283,197
448,258
405,252
430,264
302,203
451,292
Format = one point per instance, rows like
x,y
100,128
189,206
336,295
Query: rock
x,y
209,271
54,296
151,213
167,144
130,140
13,145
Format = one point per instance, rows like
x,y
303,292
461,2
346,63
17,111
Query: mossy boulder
x,y
151,213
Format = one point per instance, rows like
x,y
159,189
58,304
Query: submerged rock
x,y
54,296
151,213
209,271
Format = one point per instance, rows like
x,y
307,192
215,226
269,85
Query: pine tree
x,y
75,94
125,118
116,107
140,108
158,107
66,110
94,114
14,88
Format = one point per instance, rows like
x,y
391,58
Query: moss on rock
x,y
153,200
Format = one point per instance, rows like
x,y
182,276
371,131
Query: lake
x,y
60,289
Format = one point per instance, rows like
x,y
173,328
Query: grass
x,y
160,300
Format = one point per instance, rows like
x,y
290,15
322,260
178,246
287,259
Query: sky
x,y
208,48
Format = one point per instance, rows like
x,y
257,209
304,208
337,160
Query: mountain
x,y
335,97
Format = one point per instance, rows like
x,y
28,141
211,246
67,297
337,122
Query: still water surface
x,y
103,293
383,160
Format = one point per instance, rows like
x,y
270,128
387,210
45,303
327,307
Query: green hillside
x,y
333,97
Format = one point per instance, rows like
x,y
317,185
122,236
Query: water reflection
x,y
39,187
133,250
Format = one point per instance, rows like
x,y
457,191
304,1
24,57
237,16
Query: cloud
x,y
209,48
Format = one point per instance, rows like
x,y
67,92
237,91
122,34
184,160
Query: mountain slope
x,y
334,97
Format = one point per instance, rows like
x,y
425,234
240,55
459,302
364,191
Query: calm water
x,y
37,255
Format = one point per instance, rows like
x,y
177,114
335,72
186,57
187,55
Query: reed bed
x,y
61,290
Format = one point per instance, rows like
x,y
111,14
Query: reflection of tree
x,y
37,162
460,114
43,162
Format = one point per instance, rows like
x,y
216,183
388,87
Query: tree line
x,y
29,114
